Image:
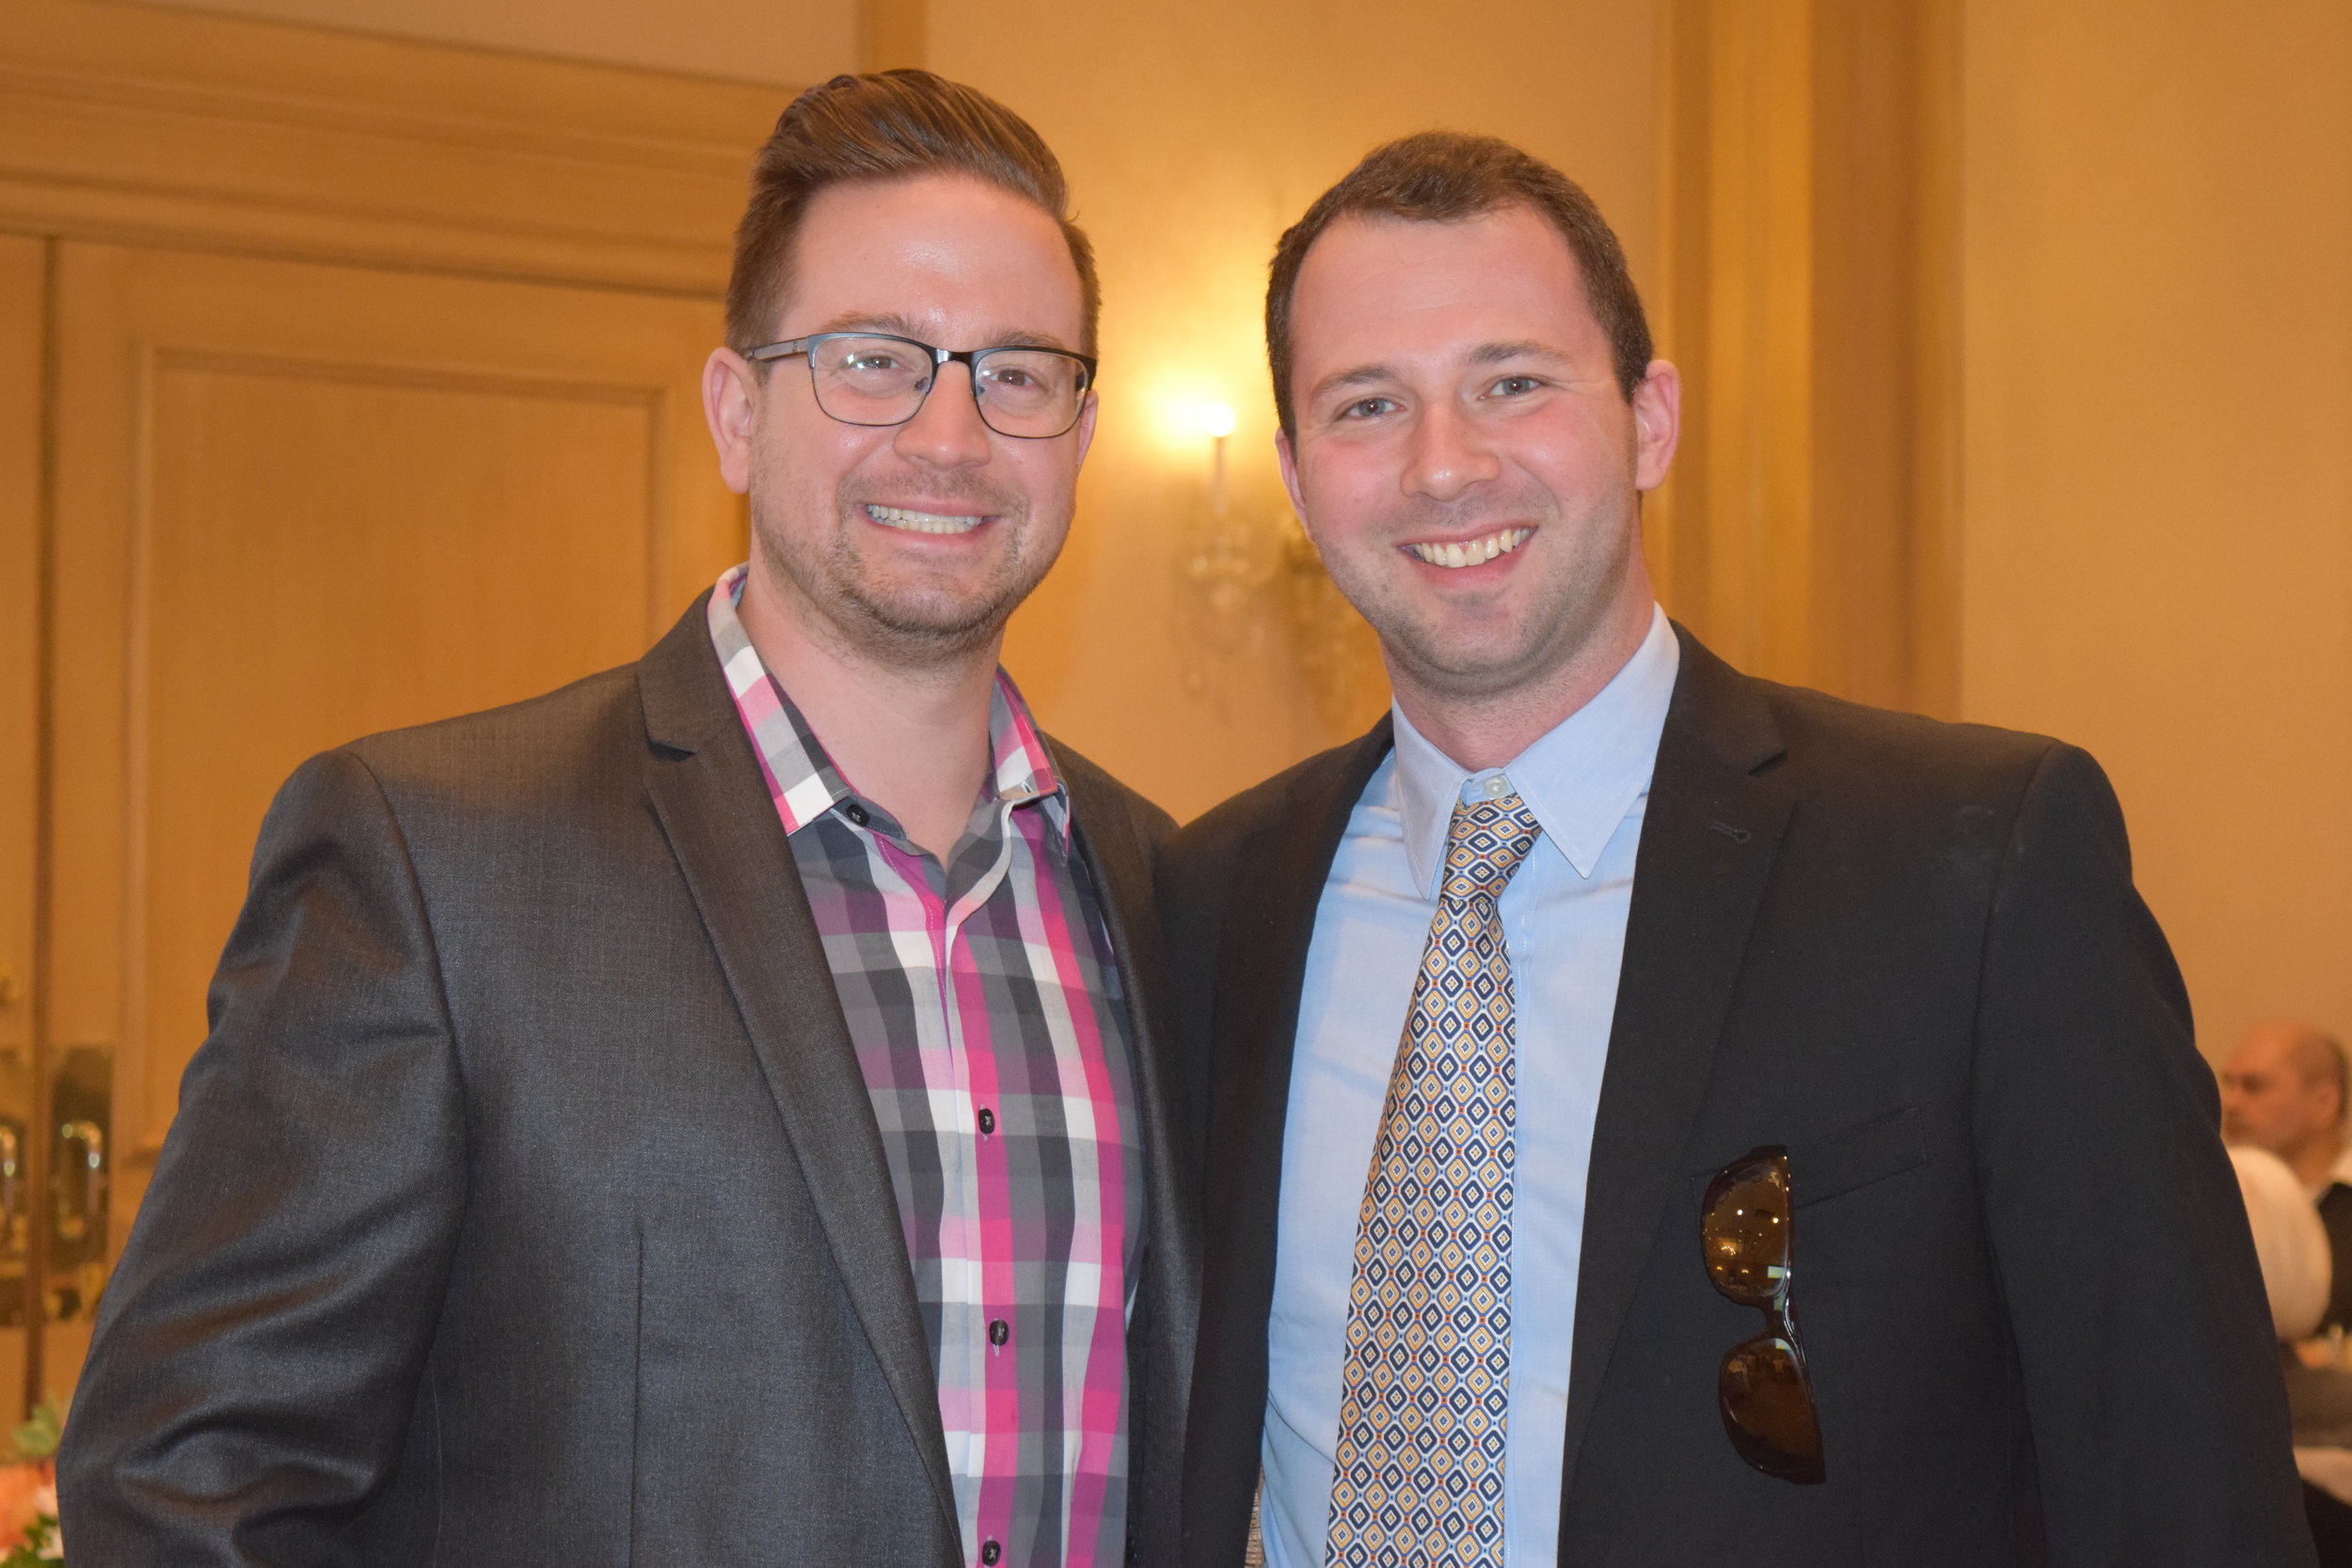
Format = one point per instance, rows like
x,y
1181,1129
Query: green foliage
x,y
37,1439
41,1547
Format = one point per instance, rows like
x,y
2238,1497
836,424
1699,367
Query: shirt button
x,y
990,1552
1497,788
1000,1331
988,1121
856,813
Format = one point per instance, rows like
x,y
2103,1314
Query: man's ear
x,y
1288,459
730,406
1657,423
1085,425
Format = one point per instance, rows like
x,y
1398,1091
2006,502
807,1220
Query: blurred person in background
x,y
2283,1090
2289,1242
2296,1265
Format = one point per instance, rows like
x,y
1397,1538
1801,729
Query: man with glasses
x,y
712,1113
1656,1117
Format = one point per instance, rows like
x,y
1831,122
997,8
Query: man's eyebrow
x,y
1495,354
1484,354
1019,338
896,326
858,321
1361,375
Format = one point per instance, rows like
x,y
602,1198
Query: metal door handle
x,y
11,1185
76,1223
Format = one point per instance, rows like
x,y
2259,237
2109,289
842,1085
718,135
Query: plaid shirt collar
x,y
801,777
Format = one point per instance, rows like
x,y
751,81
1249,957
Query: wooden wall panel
x,y
22,342
1811,299
298,504
135,122
23,333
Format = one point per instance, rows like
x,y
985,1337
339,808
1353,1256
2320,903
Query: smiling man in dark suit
x,y
1655,1116
710,1115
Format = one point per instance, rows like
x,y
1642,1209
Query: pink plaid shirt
x,y
985,1006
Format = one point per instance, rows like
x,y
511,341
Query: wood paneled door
x,y
292,504
22,276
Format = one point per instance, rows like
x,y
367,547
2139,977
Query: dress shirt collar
x,y
1580,778
803,778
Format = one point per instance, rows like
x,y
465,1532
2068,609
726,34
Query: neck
x,y
910,738
1487,729
2316,1157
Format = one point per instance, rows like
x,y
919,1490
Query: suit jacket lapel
x,y
1269,920
707,790
1159,1365
1707,841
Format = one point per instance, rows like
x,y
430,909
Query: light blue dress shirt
x,y
1587,781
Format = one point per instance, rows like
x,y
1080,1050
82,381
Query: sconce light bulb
x,y
1217,421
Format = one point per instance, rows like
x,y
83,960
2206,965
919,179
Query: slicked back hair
x,y
1444,176
888,125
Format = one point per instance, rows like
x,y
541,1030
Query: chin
x,y
950,624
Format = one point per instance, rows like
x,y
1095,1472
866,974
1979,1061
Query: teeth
x,y
1473,552
919,522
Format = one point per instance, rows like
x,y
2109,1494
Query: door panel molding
x,y
150,124
298,503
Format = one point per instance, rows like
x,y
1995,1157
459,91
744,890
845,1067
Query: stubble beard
x,y
914,623
1428,647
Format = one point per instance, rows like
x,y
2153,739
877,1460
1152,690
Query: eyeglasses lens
x,y
1029,392
869,380
883,381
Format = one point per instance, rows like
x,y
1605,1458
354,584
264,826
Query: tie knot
x,y
1485,845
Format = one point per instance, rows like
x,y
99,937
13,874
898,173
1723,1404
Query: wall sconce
x,y
1241,574
1225,560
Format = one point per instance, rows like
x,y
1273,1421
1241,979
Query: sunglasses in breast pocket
x,y
1746,1226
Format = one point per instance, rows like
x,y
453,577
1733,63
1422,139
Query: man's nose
x,y
947,431
1448,455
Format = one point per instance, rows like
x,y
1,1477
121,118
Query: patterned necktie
x,y
1425,1384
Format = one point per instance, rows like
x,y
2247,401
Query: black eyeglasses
x,y
874,379
1761,1389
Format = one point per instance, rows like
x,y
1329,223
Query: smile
x,y
1473,552
920,522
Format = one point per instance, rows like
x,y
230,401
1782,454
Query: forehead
x,y
948,251
1373,285
2265,1055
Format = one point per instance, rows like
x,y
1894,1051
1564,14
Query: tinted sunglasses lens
x,y
1768,1409
1745,1229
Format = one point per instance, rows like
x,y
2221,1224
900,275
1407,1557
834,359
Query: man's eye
x,y
1514,386
870,362
1366,408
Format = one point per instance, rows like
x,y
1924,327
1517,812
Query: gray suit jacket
x,y
526,1205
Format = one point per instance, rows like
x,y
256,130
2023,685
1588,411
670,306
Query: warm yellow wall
x,y
2158,436
1193,134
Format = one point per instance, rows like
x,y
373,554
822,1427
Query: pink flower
x,y
25,1490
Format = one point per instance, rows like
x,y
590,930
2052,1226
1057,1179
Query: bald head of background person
x,y
2283,1090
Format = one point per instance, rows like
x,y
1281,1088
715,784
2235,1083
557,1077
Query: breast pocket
x,y
1851,1158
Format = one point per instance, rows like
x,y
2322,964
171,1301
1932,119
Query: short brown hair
x,y
889,125
1443,177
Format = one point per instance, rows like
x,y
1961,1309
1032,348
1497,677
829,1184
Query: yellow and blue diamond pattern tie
x,y
1425,1381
